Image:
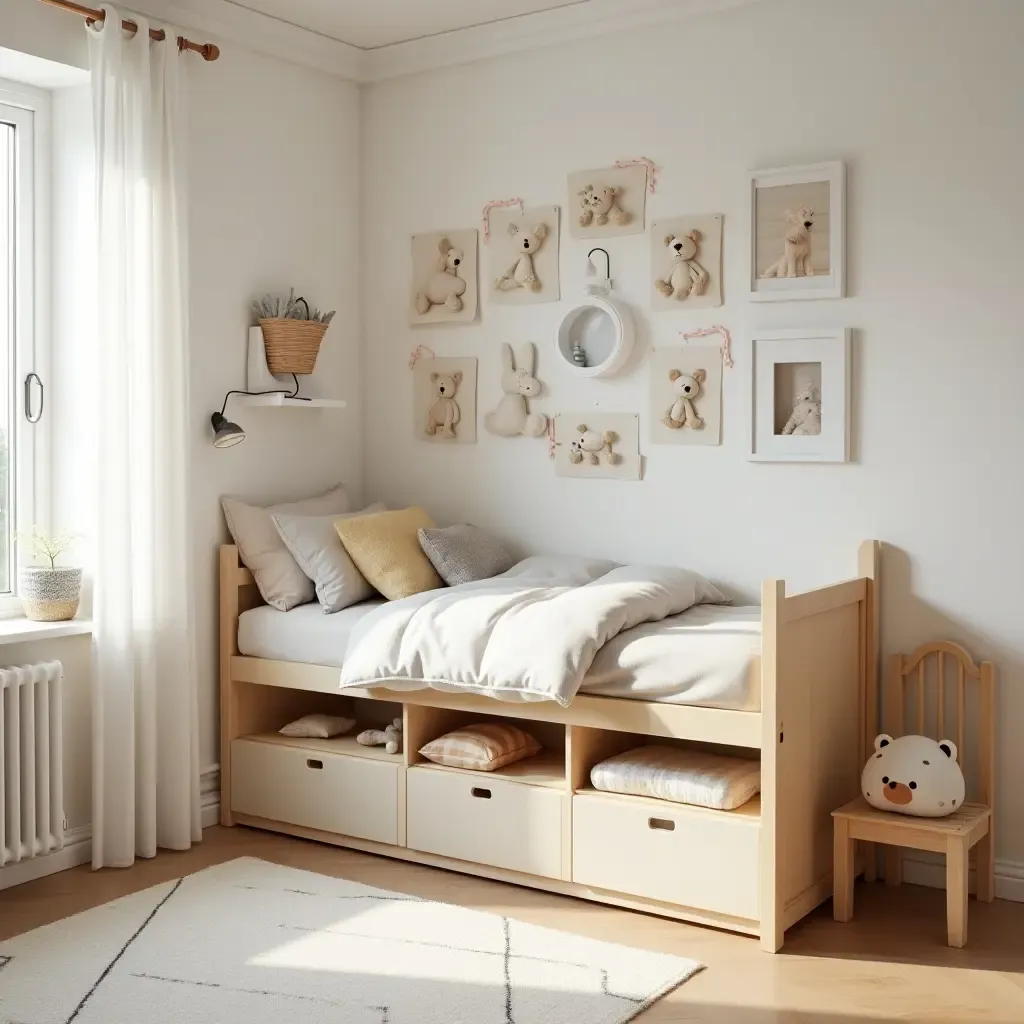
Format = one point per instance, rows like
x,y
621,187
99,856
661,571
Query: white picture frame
x,y
776,193
778,364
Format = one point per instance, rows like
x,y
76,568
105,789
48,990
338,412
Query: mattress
x,y
707,656
303,634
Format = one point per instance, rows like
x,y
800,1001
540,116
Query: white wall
x,y
923,99
274,201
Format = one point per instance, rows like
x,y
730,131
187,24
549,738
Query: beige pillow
x,y
386,549
485,747
280,580
318,551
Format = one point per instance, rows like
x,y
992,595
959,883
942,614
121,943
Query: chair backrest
x,y
919,693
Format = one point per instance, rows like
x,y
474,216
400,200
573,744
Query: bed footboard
x,y
819,694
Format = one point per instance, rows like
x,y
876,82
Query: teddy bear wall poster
x,y
607,202
686,262
444,400
444,278
594,445
686,395
522,256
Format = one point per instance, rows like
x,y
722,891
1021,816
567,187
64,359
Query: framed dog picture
x,y
798,233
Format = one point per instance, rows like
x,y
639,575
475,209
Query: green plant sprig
x,y
275,308
48,545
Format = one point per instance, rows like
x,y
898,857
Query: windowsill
x,y
21,630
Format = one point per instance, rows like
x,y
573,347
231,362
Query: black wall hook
x,y
607,261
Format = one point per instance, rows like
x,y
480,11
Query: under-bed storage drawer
x,y
488,821
350,796
689,856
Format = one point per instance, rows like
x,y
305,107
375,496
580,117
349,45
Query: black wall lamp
x,y
226,433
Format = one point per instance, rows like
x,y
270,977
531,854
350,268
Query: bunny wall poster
x,y
512,417
444,278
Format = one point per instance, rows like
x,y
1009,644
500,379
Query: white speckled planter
x,y
50,595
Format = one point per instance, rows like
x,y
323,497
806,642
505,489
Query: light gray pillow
x,y
281,582
464,554
316,547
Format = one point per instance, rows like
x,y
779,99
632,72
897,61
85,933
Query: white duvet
x,y
529,634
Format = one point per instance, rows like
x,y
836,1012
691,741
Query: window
x,y
21,390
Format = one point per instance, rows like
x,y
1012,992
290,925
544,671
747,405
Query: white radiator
x,y
31,773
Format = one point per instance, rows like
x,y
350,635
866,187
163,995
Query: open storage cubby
x,y
333,785
547,768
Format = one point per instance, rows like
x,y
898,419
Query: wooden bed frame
x,y
819,694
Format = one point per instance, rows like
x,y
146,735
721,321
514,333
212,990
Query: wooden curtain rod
x,y
206,50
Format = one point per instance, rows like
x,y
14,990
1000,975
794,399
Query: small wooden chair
x,y
972,825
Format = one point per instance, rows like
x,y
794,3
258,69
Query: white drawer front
x,y
347,795
684,856
487,821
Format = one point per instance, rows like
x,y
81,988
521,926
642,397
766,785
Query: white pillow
x,y
680,775
281,582
317,548
318,727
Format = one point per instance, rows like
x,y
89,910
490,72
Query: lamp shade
x,y
225,433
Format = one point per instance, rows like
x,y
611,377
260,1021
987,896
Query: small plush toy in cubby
x,y
390,738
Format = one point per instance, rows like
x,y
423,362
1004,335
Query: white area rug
x,y
257,943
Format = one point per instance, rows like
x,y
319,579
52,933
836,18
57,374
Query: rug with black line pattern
x,y
256,942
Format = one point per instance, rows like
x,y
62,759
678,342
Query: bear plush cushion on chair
x,y
386,549
918,778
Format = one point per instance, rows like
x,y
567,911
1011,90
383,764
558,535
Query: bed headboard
x,y
238,593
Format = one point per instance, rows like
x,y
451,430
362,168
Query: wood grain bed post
x,y
773,593
869,567
228,648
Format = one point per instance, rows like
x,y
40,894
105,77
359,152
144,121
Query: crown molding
x,y
260,33
530,32
276,38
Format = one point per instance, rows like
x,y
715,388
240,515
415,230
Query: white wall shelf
x,y
279,401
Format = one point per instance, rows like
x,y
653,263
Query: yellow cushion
x,y
386,549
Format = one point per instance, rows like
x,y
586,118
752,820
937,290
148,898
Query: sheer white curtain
x,y
145,757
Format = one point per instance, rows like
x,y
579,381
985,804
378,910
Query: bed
x,y
792,681
715,649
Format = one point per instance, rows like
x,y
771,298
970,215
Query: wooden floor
x,y
889,964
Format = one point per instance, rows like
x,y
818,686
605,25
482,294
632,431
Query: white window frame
x,y
28,109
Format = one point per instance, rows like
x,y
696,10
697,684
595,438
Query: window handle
x,y
38,415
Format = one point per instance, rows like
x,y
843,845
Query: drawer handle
x,y
664,824
312,762
482,794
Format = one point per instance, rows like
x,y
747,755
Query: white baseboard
x,y
209,795
77,847
923,869
77,850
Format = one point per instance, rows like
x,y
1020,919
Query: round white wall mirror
x,y
595,338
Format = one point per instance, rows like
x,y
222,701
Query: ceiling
x,y
370,24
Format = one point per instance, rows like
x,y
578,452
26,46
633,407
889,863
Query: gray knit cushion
x,y
463,554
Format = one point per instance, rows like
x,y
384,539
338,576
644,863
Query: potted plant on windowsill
x,y
48,592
